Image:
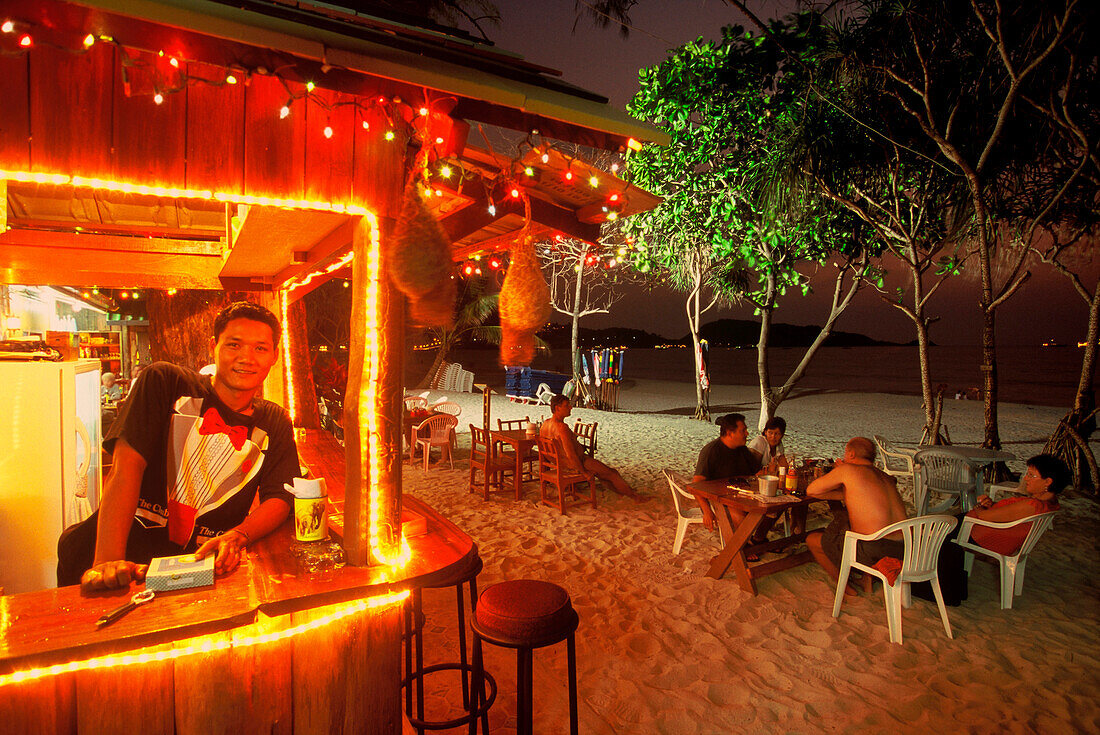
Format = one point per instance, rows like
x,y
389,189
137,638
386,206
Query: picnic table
x,y
720,496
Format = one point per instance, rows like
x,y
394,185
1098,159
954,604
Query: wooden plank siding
x,y
78,114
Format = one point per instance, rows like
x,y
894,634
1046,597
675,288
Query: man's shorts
x,y
867,552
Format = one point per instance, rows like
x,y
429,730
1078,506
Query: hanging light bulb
x,y
309,86
158,98
175,64
230,79
529,171
445,172
26,41
593,182
7,26
515,193
328,131
389,135
89,41
423,111
284,111
546,158
568,175
492,209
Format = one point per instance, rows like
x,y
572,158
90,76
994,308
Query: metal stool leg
x,y
462,647
524,693
419,603
572,662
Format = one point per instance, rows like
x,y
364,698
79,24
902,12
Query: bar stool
x,y
526,614
414,624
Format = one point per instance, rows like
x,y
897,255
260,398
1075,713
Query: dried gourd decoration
x,y
419,258
524,305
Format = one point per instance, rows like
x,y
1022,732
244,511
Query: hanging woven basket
x,y
524,305
419,258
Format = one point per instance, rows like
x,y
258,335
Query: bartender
x,y
190,453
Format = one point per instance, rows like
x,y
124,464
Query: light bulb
x,y
389,135
175,64
7,26
594,182
328,131
158,98
309,86
284,111
89,40
445,172
230,79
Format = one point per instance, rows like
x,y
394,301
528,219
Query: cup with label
x,y
310,509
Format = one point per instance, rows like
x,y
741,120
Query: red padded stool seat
x,y
526,614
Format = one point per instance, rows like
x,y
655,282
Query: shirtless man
x,y
555,428
872,501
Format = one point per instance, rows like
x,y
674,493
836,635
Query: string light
x,y
423,111
594,182
529,171
25,41
389,135
7,26
158,98
89,41
492,209
366,125
633,144
175,64
515,193
445,172
546,158
204,644
284,111
568,175
309,86
230,79
288,378
328,131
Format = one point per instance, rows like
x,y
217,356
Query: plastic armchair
x,y
414,402
1012,566
451,409
440,427
688,511
893,460
923,537
946,472
543,394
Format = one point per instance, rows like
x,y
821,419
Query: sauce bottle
x,y
792,478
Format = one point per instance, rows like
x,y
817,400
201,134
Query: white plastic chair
x,y
946,472
923,537
441,429
1012,567
543,394
688,511
894,460
414,402
468,382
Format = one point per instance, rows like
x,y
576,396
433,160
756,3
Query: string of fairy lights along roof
x,y
169,77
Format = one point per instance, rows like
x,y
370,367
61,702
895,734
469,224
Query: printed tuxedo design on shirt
x,y
208,463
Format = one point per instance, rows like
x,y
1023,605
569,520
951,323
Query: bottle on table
x,y
792,478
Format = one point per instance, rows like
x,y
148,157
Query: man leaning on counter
x,y
189,454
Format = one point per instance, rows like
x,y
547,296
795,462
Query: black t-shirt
x,y
205,463
717,461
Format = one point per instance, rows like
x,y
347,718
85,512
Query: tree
x,y
475,305
719,227
964,73
581,284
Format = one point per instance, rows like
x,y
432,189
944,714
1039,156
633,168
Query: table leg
x,y
733,544
517,476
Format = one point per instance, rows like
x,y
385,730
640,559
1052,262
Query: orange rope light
x,y
288,379
203,644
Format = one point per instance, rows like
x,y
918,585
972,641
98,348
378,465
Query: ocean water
x,y
1035,375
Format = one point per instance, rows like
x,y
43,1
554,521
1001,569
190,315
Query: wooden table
x,y
721,498
521,444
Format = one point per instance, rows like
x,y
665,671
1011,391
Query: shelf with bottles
x,y
102,346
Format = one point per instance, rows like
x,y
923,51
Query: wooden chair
x,y
563,481
586,436
440,428
483,457
531,457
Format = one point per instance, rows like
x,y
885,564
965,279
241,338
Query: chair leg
x,y
1018,576
681,531
842,582
1008,584
942,607
968,562
892,595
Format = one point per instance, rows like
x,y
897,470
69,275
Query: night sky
x,y
600,60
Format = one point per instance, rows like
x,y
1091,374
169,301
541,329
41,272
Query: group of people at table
x,y
154,504
870,496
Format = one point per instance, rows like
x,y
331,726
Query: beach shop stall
x,y
198,145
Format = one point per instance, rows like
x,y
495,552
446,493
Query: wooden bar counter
x,y
266,650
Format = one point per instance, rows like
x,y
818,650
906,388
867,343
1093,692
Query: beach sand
x,y
664,649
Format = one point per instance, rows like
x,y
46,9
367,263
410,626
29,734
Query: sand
x,y
664,649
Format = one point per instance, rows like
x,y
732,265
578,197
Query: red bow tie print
x,y
212,423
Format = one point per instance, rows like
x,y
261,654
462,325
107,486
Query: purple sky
x,y
603,62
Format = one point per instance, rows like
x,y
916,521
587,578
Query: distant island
x,y
720,333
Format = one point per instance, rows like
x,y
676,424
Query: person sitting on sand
x,y
1046,476
572,453
768,447
872,502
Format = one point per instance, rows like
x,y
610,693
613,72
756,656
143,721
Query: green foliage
x,y
726,104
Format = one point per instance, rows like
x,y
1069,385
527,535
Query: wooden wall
x,y
79,114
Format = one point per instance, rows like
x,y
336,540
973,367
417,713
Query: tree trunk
x,y
768,402
440,355
307,414
574,337
182,325
702,405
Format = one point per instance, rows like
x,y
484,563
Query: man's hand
x,y
111,575
226,549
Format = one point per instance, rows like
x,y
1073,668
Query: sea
x,y
1032,375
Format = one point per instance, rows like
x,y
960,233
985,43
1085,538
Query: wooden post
x,y
372,403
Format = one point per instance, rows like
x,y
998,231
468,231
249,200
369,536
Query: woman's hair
x,y
1051,468
775,423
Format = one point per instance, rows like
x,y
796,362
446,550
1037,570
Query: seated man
x,y
572,453
1045,478
190,453
768,447
872,502
110,391
728,456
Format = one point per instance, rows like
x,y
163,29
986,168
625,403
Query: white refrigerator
x,y
50,475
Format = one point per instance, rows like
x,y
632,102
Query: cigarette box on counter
x,y
179,573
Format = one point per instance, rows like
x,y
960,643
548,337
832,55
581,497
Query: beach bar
x,y
197,145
